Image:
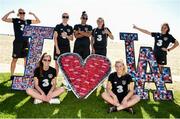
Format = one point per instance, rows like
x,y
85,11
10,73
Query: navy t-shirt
x,y
162,41
83,41
45,78
63,42
18,25
120,84
100,37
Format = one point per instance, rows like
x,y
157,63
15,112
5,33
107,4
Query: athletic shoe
x,y
112,109
54,101
130,110
37,101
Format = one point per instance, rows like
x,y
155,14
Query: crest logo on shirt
x,y
68,30
103,32
123,82
50,76
115,82
86,29
165,38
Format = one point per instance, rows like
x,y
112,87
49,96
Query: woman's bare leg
x,y
132,101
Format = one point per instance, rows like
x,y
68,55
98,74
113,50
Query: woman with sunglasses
x,y
63,33
82,32
162,43
120,90
20,44
99,38
45,83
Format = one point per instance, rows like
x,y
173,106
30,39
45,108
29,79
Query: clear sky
x,y
119,15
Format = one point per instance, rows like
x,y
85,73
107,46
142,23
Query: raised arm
x,y
142,30
36,20
6,19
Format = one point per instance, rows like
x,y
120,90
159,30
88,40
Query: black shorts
x,y
120,96
62,51
83,52
160,58
101,51
20,49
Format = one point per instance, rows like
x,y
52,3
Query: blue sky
x,y
119,15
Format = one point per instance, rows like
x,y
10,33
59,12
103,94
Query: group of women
x,y
119,91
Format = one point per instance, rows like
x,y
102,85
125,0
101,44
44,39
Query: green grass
x,y
16,104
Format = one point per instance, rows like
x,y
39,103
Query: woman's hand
x,y
57,51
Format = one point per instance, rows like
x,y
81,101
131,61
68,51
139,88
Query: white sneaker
x,y
37,101
54,101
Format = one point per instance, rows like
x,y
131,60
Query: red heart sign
x,y
84,76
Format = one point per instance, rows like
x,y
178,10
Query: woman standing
x,y
120,90
162,42
45,83
82,32
99,38
20,43
63,33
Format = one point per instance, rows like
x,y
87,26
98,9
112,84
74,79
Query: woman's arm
x,y
70,37
87,34
36,21
109,91
77,34
92,42
109,34
6,19
131,91
174,45
142,30
36,85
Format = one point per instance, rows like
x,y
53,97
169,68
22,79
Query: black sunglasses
x,y
85,18
46,60
22,13
65,17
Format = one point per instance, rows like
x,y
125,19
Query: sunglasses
x,y
85,18
46,60
65,17
22,13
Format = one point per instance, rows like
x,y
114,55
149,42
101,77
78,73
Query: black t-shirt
x,y
100,37
162,41
63,42
46,78
18,25
120,85
83,41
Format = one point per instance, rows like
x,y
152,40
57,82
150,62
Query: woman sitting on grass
x,y
45,83
121,96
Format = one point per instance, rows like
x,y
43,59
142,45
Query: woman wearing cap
x,y
63,33
99,38
82,32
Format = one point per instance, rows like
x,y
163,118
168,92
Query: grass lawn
x,y
16,104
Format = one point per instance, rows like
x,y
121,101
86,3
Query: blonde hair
x,y
124,69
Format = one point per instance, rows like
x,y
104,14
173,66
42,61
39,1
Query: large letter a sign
x,y
140,75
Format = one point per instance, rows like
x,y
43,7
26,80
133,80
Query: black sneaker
x,y
130,110
112,109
